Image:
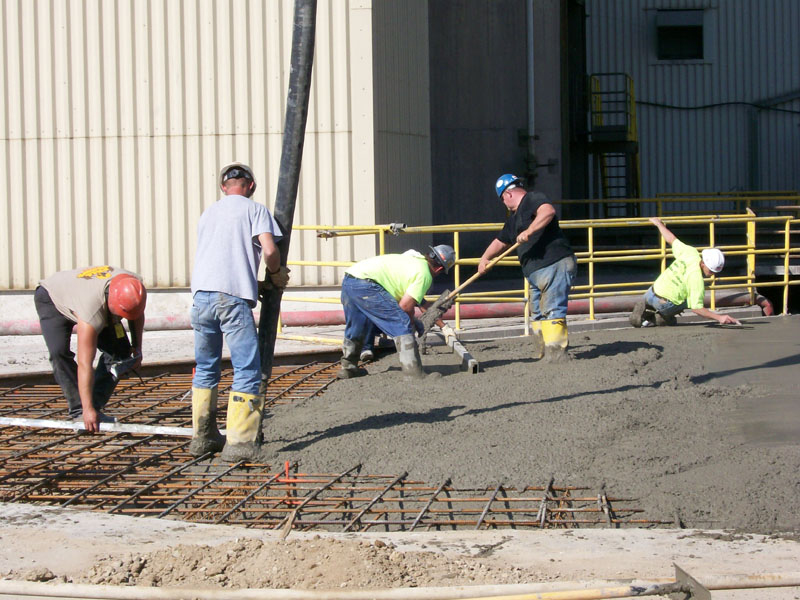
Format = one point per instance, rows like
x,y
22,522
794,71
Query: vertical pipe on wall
x,y
531,157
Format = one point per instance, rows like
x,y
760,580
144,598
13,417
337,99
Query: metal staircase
x,y
614,143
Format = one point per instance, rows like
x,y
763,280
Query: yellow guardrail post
x,y
526,310
713,276
457,277
591,271
786,249
382,241
751,257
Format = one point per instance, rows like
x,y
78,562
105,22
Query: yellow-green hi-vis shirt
x,y
683,279
398,274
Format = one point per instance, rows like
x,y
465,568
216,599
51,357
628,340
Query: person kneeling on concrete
x,y
384,290
681,286
94,300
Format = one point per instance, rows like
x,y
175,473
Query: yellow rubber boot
x,y
556,340
243,436
205,435
538,340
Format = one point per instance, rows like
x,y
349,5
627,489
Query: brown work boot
x,y
637,314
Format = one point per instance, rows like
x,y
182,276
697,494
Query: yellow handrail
x,y
592,256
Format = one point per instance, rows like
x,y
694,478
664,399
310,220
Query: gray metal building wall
x,y
402,117
719,141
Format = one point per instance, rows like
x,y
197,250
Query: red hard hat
x,y
127,296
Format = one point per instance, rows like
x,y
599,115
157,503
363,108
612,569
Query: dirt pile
x,y
299,564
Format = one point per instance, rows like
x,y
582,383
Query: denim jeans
x,y
369,338
214,315
550,289
665,307
366,303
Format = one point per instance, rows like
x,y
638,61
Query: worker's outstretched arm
x,y
669,237
495,248
137,330
87,348
710,314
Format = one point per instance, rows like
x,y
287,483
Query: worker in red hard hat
x,y
93,300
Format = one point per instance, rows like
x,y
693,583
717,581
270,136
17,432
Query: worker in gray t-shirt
x,y
92,300
232,236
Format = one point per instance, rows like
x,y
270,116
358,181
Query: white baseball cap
x,y
713,259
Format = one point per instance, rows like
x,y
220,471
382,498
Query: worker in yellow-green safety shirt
x,y
681,286
384,291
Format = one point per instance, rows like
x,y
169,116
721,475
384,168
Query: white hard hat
x,y
713,259
237,170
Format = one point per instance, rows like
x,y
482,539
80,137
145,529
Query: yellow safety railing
x,y
591,255
740,202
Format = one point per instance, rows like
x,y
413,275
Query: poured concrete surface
x,y
699,422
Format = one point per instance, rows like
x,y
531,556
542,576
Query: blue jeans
x,y
550,289
366,303
369,338
663,306
215,315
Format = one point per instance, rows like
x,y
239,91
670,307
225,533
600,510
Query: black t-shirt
x,y
543,248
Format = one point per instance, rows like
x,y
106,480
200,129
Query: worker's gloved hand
x,y
263,288
449,333
279,278
419,327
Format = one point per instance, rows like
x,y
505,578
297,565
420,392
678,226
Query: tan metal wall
x,y
115,117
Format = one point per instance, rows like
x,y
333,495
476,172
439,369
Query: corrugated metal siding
x,y
752,53
116,117
402,116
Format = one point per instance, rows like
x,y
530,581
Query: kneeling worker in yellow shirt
x,y
681,286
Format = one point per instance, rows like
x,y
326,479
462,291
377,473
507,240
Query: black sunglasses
x,y
237,174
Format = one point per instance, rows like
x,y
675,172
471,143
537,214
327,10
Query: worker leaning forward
x,y
93,300
681,286
384,290
232,235
547,260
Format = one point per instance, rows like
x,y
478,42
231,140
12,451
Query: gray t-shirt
x,y
81,293
228,250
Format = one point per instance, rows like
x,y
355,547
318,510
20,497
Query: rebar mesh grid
x,y
154,475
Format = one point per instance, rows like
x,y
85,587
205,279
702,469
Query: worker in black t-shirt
x,y
547,260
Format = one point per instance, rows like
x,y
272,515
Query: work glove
x,y
449,333
419,327
279,278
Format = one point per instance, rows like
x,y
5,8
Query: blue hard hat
x,y
504,182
